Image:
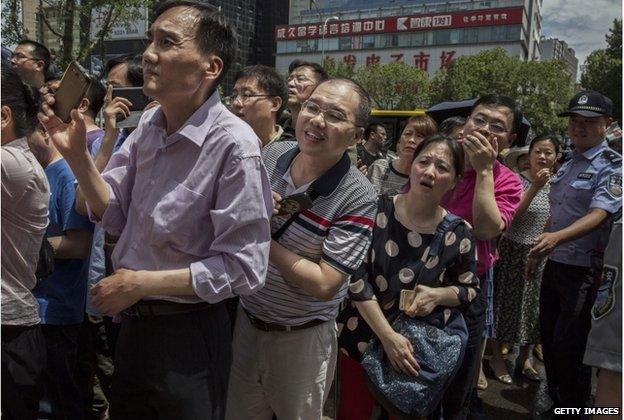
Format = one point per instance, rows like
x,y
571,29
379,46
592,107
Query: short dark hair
x,y
268,79
23,100
40,52
362,113
316,67
214,34
95,94
496,100
457,152
551,138
451,123
372,127
134,73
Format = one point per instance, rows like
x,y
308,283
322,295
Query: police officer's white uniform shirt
x,y
592,179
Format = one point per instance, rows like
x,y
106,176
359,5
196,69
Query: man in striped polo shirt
x,y
285,338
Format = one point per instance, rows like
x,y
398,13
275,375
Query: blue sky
x,y
581,23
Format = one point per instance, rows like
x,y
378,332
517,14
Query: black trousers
x,y
173,366
61,378
456,401
23,362
567,295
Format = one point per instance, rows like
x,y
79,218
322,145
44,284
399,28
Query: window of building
x,y
470,36
368,41
442,37
404,40
344,43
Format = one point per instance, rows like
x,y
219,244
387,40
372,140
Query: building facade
x,y
423,33
556,49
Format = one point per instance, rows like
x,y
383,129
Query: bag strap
x,y
313,195
448,224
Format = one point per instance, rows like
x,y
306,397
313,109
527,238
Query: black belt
x,y
152,308
267,326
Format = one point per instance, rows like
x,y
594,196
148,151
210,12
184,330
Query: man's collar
x,y
326,183
197,125
593,152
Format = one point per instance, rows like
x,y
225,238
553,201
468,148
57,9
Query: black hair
x,y
451,123
372,127
95,94
551,138
40,52
316,67
457,152
23,100
268,79
496,100
214,33
362,113
134,74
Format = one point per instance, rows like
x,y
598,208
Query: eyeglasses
x,y
299,79
244,97
22,57
495,128
331,116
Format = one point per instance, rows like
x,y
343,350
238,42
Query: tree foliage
x,y
69,16
542,88
391,86
602,70
12,29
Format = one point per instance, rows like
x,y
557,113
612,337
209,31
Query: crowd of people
x,y
231,257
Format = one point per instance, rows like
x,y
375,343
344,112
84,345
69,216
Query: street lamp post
x,y
323,38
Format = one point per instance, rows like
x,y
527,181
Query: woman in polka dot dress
x,y
405,226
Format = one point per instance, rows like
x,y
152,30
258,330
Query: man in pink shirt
x,y
487,197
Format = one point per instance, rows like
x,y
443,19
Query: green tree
x,y
69,16
542,88
337,68
12,29
602,70
394,85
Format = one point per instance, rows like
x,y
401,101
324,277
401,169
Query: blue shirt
x,y
61,295
97,268
589,180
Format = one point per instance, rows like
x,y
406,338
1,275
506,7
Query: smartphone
x,y
294,204
71,90
134,95
406,298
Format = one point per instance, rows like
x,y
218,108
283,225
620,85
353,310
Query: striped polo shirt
x,y
337,229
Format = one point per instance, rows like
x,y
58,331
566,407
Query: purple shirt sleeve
x,y
242,234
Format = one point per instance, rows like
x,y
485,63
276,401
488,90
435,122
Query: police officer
x,y
604,343
584,194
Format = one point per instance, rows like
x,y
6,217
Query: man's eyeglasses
x,y
495,128
244,97
331,116
299,79
22,57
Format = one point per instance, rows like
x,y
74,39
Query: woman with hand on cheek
x,y
516,299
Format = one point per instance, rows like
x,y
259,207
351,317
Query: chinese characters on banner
x,y
421,60
398,24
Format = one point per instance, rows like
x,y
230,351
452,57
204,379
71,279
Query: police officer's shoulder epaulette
x,y
612,156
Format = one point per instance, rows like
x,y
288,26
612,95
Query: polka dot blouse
x,y
394,262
